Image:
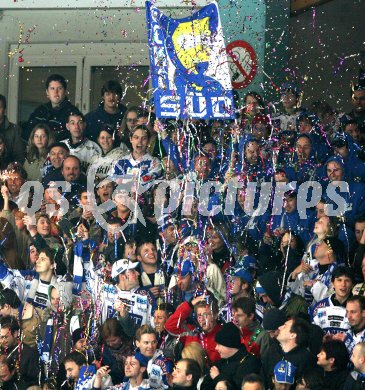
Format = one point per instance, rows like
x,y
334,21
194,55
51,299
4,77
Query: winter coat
x,y
54,117
300,357
233,369
96,119
176,325
13,141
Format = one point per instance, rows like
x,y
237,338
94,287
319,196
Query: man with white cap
x,y
126,299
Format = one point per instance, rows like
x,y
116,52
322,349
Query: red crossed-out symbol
x,y
242,63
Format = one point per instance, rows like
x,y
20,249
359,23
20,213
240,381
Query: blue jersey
x,y
146,169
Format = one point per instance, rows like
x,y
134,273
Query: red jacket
x,y
177,326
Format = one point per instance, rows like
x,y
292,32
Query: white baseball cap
x,y
122,265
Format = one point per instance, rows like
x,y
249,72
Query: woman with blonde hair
x,y
40,140
195,351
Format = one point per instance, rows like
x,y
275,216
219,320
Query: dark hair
x,y
358,298
76,357
141,243
9,297
301,328
59,145
360,218
3,100
253,378
246,304
111,328
9,322
255,95
298,241
343,271
314,379
75,112
192,368
167,307
336,349
350,122
112,86
81,191
114,220
50,253
56,77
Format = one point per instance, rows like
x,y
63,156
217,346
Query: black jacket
x,y
95,120
300,357
233,369
29,365
55,118
354,382
334,380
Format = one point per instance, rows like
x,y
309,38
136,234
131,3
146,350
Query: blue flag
x,y
189,68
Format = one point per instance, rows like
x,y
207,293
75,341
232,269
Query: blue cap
x,y
166,222
242,273
259,289
249,262
284,372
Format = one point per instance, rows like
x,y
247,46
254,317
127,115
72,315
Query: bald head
x,y
71,168
358,357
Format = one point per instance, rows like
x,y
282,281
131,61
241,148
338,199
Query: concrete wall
x,y
318,43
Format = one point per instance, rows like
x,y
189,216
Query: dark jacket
x,y
29,365
233,369
334,380
99,117
14,385
300,357
55,118
354,381
13,141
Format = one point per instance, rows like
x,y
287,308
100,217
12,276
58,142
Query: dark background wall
x,y
324,50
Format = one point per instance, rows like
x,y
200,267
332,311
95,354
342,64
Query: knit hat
x,y
77,335
229,336
284,372
273,318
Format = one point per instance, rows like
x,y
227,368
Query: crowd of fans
x,y
139,253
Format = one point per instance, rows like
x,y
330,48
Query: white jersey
x,y
140,301
332,319
86,151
